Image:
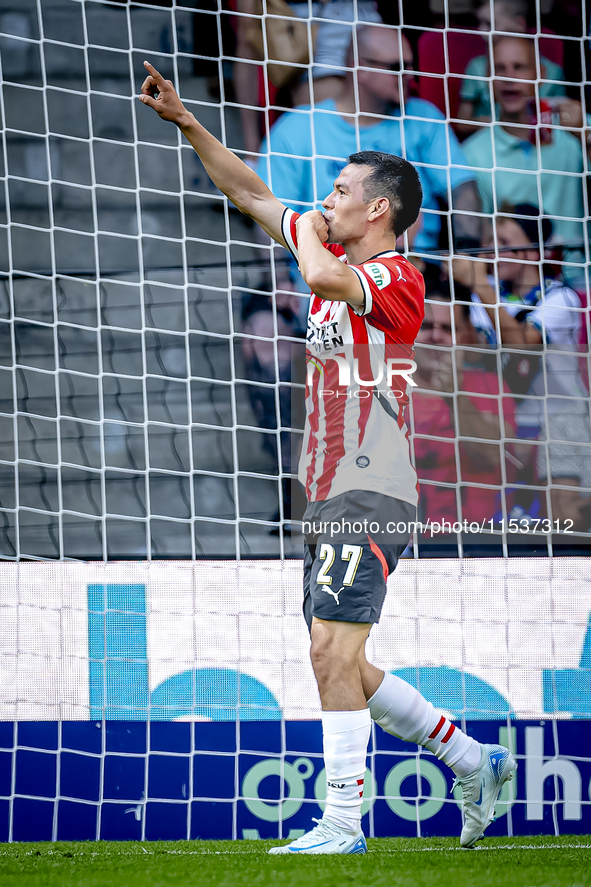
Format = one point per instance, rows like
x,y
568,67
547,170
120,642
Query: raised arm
x,y
233,177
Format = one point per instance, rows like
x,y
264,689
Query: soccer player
x,y
366,311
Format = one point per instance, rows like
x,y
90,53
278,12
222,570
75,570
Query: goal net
x,y
176,700
147,329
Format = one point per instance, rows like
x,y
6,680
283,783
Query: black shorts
x,y
352,543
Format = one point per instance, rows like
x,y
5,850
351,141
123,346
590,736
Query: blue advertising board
x,y
177,700
134,780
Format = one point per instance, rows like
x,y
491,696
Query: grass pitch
x,y
391,862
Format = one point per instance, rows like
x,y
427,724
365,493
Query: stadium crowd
x,y
493,116
488,100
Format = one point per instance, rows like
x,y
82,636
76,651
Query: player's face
x,y
345,210
514,58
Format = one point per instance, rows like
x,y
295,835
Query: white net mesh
x,y
224,644
149,408
147,328
129,403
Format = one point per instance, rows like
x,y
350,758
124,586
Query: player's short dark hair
x,y
394,178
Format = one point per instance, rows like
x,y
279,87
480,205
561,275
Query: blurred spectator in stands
x,y
332,21
358,120
454,13
477,416
509,15
520,144
268,358
531,311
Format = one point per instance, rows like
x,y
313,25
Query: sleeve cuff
x,y
286,231
367,297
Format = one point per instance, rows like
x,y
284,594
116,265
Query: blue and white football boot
x,y
481,789
326,837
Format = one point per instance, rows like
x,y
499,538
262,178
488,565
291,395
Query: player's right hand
x,y
160,94
317,222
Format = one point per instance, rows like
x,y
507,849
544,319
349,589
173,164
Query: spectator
x,y
338,127
532,312
509,15
333,20
432,408
334,27
478,417
517,143
269,363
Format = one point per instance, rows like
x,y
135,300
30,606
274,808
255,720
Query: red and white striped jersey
x,y
355,436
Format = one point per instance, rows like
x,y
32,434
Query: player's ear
x,y
379,207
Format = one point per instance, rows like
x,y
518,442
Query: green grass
x,y
391,862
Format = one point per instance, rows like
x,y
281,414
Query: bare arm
x,y
326,276
233,177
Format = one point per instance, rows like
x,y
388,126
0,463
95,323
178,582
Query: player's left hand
x,y
160,94
316,221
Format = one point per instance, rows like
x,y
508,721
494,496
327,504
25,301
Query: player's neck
x,y
365,248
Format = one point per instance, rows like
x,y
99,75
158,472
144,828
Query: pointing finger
x,y
158,78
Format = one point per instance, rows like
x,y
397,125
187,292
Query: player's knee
x,y
329,657
320,658
323,641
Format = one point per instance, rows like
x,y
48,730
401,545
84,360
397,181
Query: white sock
x,y
345,737
401,710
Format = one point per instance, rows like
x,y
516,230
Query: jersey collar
x,y
389,253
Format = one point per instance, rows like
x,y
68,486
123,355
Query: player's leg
x,y
480,770
346,721
402,711
335,652
347,591
341,602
